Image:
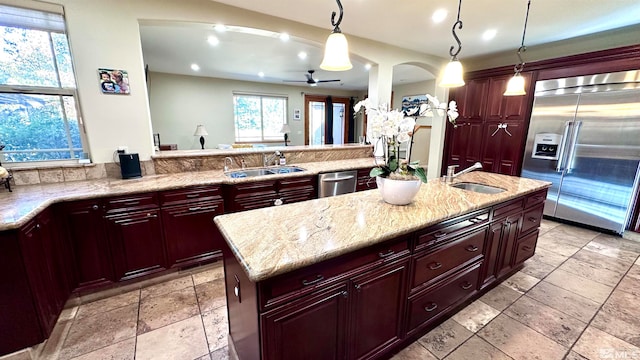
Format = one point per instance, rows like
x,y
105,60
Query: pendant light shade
x,y
336,53
452,74
515,86
336,50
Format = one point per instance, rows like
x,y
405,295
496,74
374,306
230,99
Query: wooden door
x,y
377,309
315,125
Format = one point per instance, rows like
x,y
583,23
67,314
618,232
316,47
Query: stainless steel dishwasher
x,y
336,183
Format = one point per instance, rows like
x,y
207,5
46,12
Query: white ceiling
x,y
172,48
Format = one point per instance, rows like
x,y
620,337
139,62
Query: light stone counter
x,y
25,202
275,240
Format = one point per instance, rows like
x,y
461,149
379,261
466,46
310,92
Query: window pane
x,y
33,127
247,118
26,58
63,57
273,115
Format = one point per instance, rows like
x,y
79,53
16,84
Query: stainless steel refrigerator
x,y
584,137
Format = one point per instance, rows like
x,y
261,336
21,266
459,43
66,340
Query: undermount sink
x,y
263,171
479,188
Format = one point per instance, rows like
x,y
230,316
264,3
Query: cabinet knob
x,y
532,219
431,307
358,287
37,226
150,215
278,202
344,294
95,207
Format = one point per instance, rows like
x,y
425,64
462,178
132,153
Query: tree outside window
x,y
259,118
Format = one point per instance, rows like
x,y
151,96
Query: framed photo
x,y
297,114
412,101
114,81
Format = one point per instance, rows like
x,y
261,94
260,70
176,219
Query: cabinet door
x,y
253,195
500,107
377,309
502,153
510,227
465,144
136,243
313,328
492,248
297,189
470,99
86,231
190,233
365,182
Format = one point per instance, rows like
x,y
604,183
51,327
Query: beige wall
x,y
179,103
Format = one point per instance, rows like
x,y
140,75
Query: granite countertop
x,y
25,202
254,150
285,238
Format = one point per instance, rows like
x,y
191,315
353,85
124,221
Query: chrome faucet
x,y
451,171
227,167
269,160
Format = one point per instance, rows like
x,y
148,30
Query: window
x,y
39,118
259,118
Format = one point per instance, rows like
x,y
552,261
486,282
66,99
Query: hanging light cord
x,y
336,24
458,23
518,68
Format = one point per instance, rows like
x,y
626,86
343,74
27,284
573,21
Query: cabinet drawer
x,y
526,247
535,198
531,219
451,228
432,265
131,202
289,286
298,182
183,196
426,306
507,208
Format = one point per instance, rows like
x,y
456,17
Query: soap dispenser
x,y
283,159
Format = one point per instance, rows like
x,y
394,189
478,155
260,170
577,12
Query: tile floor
x,y
577,298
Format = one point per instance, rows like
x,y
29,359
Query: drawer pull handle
x,y
476,220
344,294
195,208
312,282
527,248
537,198
471,248
152,215
191,196
431,307
532,219
435,266
386,254
466,285
439,235
132,203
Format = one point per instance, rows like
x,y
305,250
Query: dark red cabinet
x,y
502,108
470,99
502,149
260,194
364,181
465,144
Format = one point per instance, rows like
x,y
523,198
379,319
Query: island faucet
x,y
451,171
270,159
227,167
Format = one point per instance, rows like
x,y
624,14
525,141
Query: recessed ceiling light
x,y
220,28
284,37
367,66
439,15
489,34
302,55
195,67
261,74
213,41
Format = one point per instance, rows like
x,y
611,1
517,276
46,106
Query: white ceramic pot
x,y
398,192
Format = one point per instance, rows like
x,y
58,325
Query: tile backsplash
x,y
49,175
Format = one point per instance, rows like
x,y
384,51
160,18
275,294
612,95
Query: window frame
x,y
58,91
262,140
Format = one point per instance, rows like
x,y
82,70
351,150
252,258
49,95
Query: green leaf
x,y
393,164
377,171
419,172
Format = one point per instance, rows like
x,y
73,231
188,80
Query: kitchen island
x,y
351,277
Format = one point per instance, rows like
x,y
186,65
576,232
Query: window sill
x,y
45,165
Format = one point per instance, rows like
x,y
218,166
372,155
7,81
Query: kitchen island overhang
x,y
287,265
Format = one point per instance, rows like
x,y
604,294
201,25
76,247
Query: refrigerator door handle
x,y
565,134
572,146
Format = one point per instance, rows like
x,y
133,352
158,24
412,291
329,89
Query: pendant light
x,y
515,86
336,50
452,75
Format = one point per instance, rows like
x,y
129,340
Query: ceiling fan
x,y
310,80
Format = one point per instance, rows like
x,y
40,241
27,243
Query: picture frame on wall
x,y
413,101
297,114
113,81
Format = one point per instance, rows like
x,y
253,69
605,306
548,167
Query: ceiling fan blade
x,y
302,81
321,81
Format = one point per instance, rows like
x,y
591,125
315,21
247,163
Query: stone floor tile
x,y
414,351
597,344
549,257
215,273
521,282
475,315
618,242
167,287
602,261
608,248
53,346
161,310
181,340
580,285
564,301
537,268
107,304
211,295
589,271
95,332
630,284
216,328
572,235
546,225
559,327
551,243
520,341
221,354
572,355
477,349
628,331
124,350
500,297
204,357
637,261
443,339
